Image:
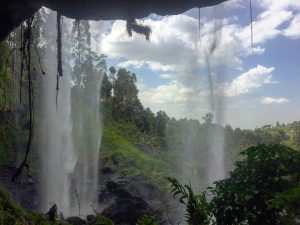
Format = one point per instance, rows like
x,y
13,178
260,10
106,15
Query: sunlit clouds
x,y
179,56
250,81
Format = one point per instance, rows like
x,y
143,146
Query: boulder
x,y
52,213
126,199
90,218
75,220
127,210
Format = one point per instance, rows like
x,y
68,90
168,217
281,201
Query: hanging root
x,y
39,58
78,201
26,58
59,46
132,25
59,54
251,21
22,64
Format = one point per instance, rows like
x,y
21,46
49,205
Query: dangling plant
x,y
132,25
196,205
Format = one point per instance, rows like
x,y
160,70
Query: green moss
x,y
13,214
8,137
6,78
10,213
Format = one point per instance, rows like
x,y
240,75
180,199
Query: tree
x,y
161,121
88,65
106,88
264,188
208,118
149,119
246,196
125,102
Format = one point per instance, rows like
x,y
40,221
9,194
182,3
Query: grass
x,y
119,150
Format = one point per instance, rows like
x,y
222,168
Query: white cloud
x,y
166,76
293,31
250,81
265,27
173,92
171,40
278,5
176,99
135,63
176,52
269,100
175,46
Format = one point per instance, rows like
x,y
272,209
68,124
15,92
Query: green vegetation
x,y
7,123
265,173
120,149
8,137
6,78
262,189
147,220
12,214
196,205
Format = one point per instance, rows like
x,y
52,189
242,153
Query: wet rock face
x,y
127,210
52,213
74,220
26,193
126,199
123,206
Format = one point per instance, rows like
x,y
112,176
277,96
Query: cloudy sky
x,y
188,71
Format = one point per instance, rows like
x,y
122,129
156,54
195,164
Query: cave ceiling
x,y
13,12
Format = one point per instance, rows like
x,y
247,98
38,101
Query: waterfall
x,y
58,158
202,155
216,168
70,134
215,75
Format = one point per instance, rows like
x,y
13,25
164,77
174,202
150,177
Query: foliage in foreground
x,y
264,188
196,205
147,220
12,214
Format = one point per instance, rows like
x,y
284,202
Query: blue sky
x,y
249,89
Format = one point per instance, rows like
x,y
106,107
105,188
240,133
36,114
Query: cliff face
x,y
13,12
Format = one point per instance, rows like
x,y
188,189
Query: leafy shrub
x,y
12,214
147,220
264,188
248,195
196,205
